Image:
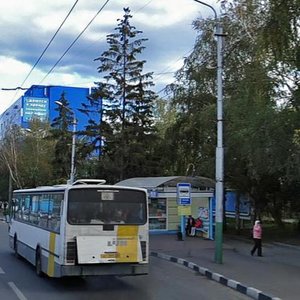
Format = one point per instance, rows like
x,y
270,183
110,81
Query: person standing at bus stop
x,y
6,211
257,236
189,225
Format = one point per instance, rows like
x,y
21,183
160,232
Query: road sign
x,y
184,194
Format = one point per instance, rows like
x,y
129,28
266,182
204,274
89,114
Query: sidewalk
x,y
275,275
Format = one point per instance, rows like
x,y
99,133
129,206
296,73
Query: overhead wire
x,y
157,75
53,37
71,45
58,61
103,35
164,71
42,54
144,6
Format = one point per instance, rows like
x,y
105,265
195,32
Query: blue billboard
x,y
35,108
231,203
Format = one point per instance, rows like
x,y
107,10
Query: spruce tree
x,y
126,127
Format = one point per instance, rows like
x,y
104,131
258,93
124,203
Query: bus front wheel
x,y
38,263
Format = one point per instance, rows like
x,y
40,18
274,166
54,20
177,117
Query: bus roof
x,y
78,184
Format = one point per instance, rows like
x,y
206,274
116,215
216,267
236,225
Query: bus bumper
x,y
105,269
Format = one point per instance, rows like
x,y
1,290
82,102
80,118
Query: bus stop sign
x,y
184,194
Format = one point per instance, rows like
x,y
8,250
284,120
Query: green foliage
x,y
26,154
36,155
260,120
261,107
281,30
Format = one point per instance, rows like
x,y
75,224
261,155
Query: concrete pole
x,y
72,174
219,190
219,151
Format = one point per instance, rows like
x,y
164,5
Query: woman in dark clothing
x,y
189,225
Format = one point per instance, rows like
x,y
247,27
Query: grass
x,y
289,233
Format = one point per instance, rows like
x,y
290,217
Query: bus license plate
x,y
110,255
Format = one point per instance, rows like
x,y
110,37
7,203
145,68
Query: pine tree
x,y
126,127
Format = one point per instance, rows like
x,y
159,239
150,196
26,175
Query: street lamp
x,y
219,190
72,173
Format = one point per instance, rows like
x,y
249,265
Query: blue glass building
x,y
39,101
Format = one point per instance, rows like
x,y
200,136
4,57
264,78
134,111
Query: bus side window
x,y
34,209
15,207
18,207
26,207
54,212
43,210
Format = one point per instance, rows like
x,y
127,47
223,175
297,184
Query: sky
x,y
28,26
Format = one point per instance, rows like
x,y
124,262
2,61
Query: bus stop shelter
x,y
164,211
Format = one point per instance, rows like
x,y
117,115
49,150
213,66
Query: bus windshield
x,y
106,206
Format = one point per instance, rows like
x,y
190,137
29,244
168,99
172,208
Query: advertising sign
x,y
35,108
184,210
230,206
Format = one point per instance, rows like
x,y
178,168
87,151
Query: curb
x,y
249,291
286,245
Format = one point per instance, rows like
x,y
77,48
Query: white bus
x,y
87,228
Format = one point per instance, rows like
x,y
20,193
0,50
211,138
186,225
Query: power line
x,y
137,11
40,57
53,37
144,6
165,70
157,75
81,33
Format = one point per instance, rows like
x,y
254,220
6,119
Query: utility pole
x,y
72,172
219,190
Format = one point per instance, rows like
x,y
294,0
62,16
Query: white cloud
x,y
167,13
27,27
17,11
11,74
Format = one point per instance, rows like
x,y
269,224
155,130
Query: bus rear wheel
x,y
38,263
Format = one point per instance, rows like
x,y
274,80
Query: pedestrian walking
x,y
257,236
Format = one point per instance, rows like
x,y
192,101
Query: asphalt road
x,y
276,274
166,280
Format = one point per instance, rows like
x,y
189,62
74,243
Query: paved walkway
x,y
275,275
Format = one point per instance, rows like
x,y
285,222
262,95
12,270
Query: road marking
x,y
1,271
17,291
